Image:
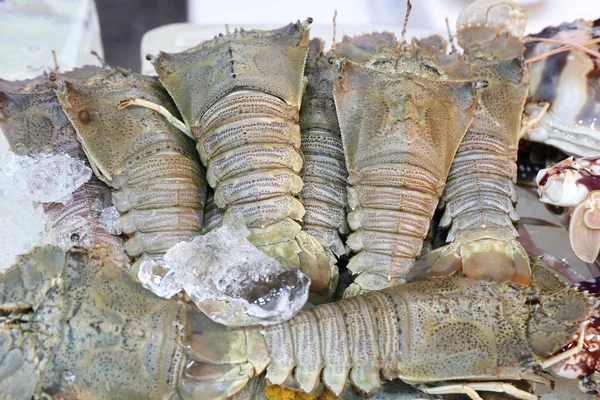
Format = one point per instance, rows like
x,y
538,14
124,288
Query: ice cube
x,y
229,279
45,177
159,277
109,220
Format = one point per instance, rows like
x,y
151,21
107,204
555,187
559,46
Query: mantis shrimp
x,y
325,176
449,335
239,96
76,325
403,110
480,195
158,184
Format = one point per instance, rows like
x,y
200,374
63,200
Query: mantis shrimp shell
x,y
157,180
240,95
402,113
213,215
75,325
427,332
84,328
480,195
33,122
325,176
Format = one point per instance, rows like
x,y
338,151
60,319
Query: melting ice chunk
x,y
228,278
45,177
159,277
109,220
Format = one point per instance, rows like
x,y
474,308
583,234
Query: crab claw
x,y
585,364
584,228
576,183
569,182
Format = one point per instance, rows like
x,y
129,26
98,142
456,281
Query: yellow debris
x,y
329,395
275,392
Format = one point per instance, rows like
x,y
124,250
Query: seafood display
x,y
403,110
159,186
240,96
480,195
562,106
201,202
67,316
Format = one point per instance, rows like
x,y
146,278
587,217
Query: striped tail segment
x,y
351,341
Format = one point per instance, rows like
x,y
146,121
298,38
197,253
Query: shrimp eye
x,y
84,116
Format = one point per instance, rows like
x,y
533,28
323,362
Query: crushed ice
x,y
26,181
22,222
109,220
62,235
228,278
45,177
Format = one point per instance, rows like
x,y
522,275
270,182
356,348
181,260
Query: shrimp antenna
x,y
408,9
56,67
334,29
227,29
95,54
565,46
450,37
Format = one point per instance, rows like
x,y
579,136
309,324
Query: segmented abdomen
x,y
391,209
159,186
78,221
161,199
240,94
400,124
324,193
480,194
325,177
353,339
250,143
